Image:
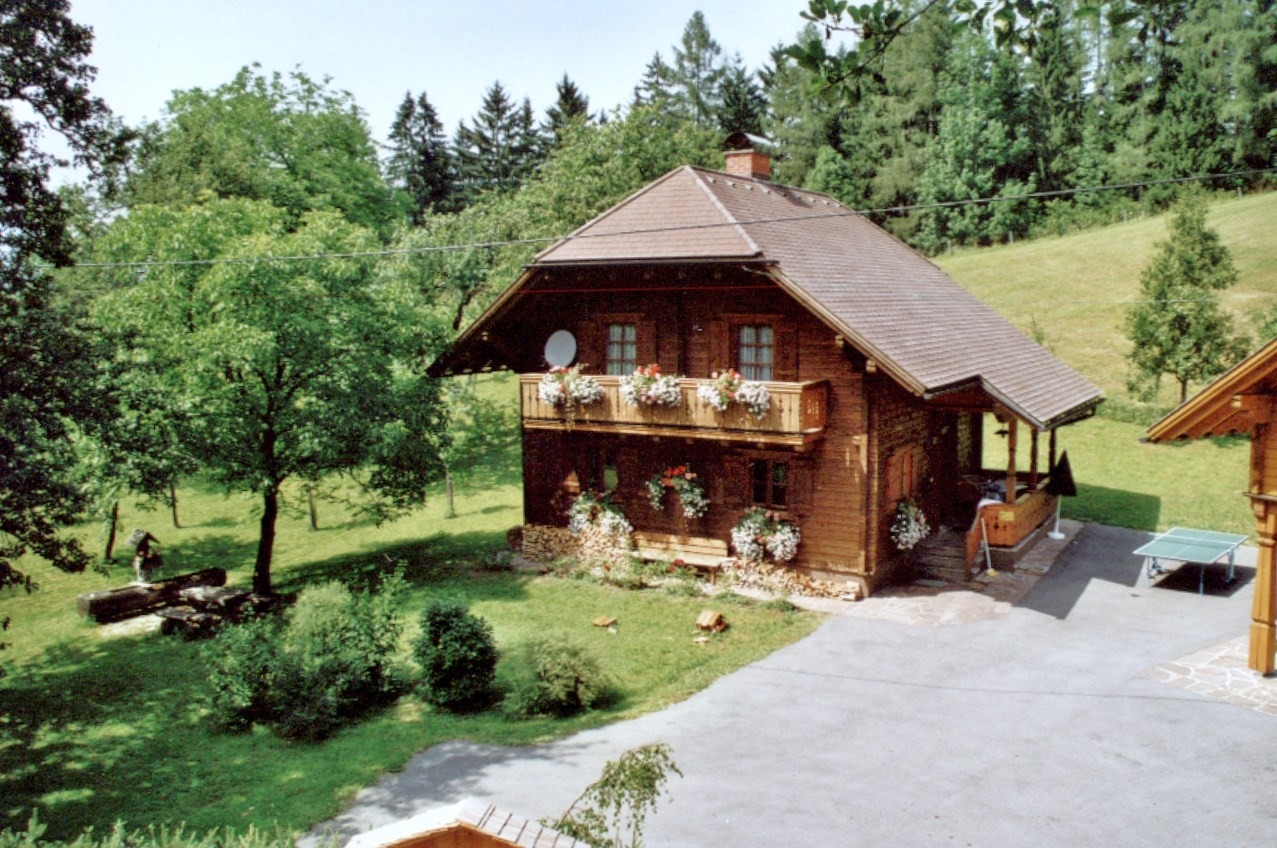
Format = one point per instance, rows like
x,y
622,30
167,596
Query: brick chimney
x,y
746,156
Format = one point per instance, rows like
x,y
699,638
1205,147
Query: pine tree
x,y
655,88
743,103
1177,327
420,162
698,72
571,106
501,148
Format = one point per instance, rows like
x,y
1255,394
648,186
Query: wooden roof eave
x,y
1072,415
442,366
1207,412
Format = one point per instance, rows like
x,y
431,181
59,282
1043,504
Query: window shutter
x,y
645,331
591,345
720,348
785,352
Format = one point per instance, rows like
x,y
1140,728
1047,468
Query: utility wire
x,y
842,212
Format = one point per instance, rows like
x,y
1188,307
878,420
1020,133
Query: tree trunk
x,y
113,522
1183,391
310,502
172,502
266,540
450,510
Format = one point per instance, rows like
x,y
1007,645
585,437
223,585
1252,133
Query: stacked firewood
x,y
542,543
785,581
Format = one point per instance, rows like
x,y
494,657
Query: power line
x,y
842,212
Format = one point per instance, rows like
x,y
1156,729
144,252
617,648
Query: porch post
x,y
1263,632
1011,431
1050,463
1033,459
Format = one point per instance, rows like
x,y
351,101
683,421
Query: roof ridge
x,y
718,204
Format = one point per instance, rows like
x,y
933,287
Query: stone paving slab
x,y
1221,672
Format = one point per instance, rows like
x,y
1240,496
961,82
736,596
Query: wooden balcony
x,y
796,419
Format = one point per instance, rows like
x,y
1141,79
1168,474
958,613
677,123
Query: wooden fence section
x,y
798,414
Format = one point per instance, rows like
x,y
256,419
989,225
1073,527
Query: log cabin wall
x,y
900,430
685,319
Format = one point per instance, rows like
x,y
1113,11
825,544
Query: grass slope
x,y
1075,289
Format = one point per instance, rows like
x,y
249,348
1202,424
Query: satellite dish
x,y
560,349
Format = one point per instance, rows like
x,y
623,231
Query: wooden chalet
x,y
1242,400
881,371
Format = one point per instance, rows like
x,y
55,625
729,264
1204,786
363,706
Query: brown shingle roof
x,y
887,299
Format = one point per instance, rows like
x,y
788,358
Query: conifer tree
x,y
743,103
698,72
500,148
420,162
1177,327
571,105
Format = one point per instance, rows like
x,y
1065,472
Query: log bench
x,y
139,598
188,621
706,555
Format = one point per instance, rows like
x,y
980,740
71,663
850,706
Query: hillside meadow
x,y
1071,294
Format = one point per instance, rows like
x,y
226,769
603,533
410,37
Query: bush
x,y
239,662
552,676
329,663
457,654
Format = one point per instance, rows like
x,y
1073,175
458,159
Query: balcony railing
x,y
797,415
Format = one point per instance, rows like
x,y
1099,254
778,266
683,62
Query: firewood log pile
x,y
785,581
542,543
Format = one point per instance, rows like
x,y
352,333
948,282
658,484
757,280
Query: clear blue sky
x,y
379,49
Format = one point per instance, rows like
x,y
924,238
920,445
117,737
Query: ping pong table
x,y
1181,544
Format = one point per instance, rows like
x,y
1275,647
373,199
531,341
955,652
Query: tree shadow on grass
x,y
81,729
443,558
1113,507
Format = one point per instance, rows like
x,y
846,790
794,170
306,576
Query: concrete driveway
x,y
1092,712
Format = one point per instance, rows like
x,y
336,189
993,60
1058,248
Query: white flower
x,y
756,398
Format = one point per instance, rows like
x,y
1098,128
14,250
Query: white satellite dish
x,y
560,349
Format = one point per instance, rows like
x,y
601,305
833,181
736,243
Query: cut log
x,y
190,623
711,621
114,604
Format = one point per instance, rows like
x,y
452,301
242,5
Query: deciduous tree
x,y
282,351
47,376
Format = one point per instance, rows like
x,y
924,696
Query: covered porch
x,y
992,483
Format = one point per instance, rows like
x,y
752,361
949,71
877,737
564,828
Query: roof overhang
x,y
960,392
1237,402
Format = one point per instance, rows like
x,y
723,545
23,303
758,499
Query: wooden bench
x,y
704,554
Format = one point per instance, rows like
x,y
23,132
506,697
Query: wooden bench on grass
x,y
704,554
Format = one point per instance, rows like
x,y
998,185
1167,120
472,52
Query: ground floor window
x,y
769,483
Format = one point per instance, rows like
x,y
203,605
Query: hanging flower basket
x,y
686,484
591,509
647,386
909,526
569,389
761,533
728,387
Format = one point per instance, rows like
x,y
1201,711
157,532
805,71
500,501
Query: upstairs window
x,y
755,351
622,349
769,483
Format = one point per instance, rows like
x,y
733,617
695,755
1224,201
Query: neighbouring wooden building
x,y
880,369
1241,401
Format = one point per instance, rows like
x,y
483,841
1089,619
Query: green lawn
x,y
98,725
